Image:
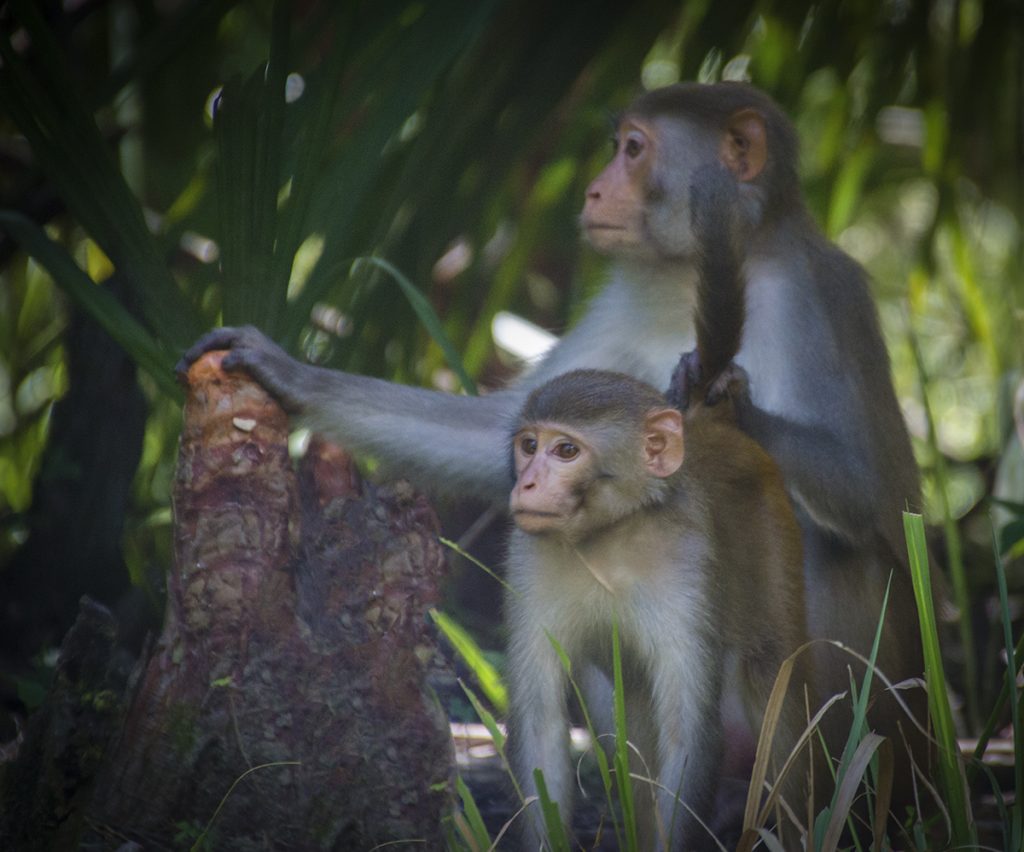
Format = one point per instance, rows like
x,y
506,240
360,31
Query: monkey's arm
x,y
820,371
433,438
828,471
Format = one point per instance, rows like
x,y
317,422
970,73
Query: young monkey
x,y
682,535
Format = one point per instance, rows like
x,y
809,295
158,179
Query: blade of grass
x,y
858,730
465,555
430,320
552,819
220,806
270,296
1005,821
883,794
1016,811
487,676
478,836
621,761
489,722
487,718
769,724
604,771
757,812
851,776
603,767
771,842
953,781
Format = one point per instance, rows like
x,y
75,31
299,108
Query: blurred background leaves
x,y
168,165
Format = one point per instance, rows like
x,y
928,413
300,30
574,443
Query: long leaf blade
x,y
94,299
954,785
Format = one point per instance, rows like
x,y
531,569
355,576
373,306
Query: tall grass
x,y
864,770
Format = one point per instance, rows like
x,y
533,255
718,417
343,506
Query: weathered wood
x,y
294,651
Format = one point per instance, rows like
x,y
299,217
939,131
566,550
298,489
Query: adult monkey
x,y
821,397
822,402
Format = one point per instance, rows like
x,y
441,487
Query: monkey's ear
x,y
744,146
663,442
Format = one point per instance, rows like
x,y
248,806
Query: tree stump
x,y
285,704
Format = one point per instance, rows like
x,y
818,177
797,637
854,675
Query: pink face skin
x,y
555,468
548,461
638,206
612,211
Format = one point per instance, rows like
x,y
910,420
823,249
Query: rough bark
x,y
285,705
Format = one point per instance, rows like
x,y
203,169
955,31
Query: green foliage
x,y
32,375
419,125
430,321
423,126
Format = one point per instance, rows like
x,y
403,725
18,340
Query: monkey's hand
x,y
686,378
251,350
732,384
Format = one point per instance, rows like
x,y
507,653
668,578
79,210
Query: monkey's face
x,y
638,207
553,470
612,217
574,482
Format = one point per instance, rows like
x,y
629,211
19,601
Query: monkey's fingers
x,y
218,338
732,383
685,378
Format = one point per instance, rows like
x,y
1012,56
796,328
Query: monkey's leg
x,y
686,696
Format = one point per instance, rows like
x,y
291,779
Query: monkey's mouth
x,y
533,520
534,513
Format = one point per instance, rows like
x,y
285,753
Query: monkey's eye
x,y
528,445
634,147
566,450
